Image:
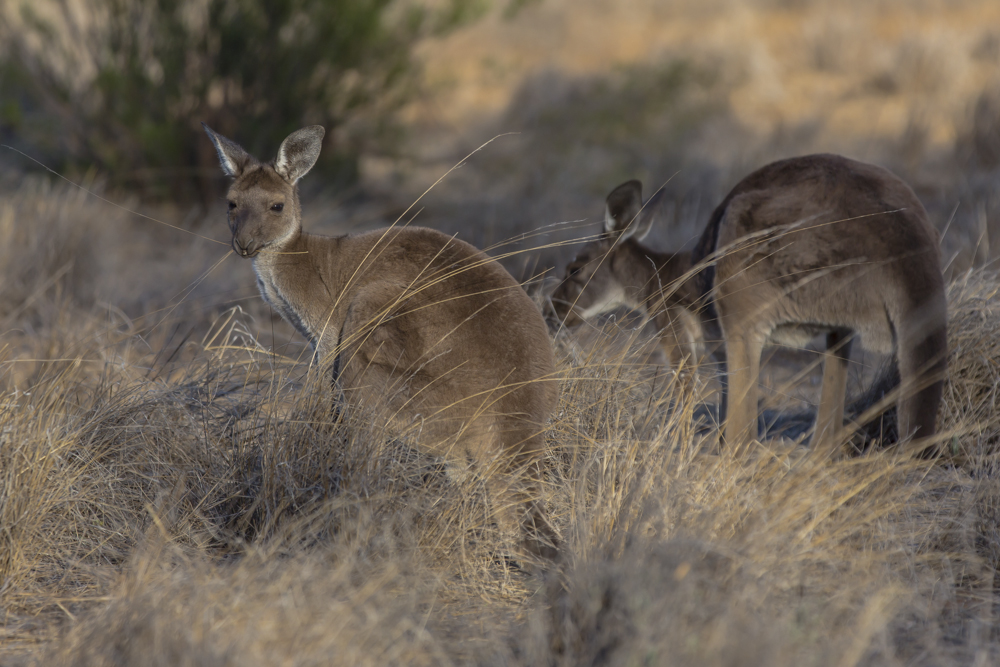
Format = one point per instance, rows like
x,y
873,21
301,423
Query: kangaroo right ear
x,y
232,157
299,152
623,206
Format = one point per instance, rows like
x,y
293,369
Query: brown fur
x,y
408,319
822,244
617,270
812,245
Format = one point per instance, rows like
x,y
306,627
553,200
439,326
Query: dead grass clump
x,y
58,529
678,555
971,414
326,607
971,406
229,454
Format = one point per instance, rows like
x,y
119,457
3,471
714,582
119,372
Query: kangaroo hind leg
x,y
830,414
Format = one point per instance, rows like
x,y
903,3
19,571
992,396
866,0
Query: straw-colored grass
x,y
174,491
194,502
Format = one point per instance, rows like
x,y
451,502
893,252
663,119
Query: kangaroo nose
x,y
242,250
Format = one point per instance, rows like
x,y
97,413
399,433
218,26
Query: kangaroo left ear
x,y
299,152
232,158
623,206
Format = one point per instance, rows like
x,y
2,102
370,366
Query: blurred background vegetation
x,y
122,85
692,96
686,95
580,95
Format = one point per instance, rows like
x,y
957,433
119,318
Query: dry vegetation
x,y
170,501
172,493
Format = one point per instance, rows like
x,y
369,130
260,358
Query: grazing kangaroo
x,y
617,270
816,245
409,319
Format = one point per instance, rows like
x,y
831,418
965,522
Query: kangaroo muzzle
x,y
246,247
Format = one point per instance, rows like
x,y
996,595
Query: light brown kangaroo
x,y
816,245
409,319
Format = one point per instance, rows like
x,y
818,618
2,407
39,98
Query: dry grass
x,y
168,503
171,492
856,71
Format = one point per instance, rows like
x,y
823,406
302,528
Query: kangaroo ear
x,y
299,152
657,207
232,157
623,206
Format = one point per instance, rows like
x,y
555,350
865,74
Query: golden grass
x,y
166,503
861,71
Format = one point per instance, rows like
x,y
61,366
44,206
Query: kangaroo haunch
x,y
409,320
813,245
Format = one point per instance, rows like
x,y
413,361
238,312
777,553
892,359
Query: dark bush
x,y
123,84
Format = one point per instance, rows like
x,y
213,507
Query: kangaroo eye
x,y
277,207
232,205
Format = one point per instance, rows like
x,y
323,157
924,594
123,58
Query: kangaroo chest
x,y
281,299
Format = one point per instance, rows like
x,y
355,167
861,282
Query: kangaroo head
x,y
263,199
596,281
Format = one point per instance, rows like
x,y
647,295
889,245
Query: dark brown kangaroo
x,y
816,245
618,270
409,319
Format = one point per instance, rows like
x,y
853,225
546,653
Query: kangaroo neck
x,y
292,282
282,253
658,275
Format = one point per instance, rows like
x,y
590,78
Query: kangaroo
x,y
408,319
817,245
618,270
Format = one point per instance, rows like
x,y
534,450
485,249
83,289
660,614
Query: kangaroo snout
x,y
246,246
561,312
562,306
248,235
553,320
